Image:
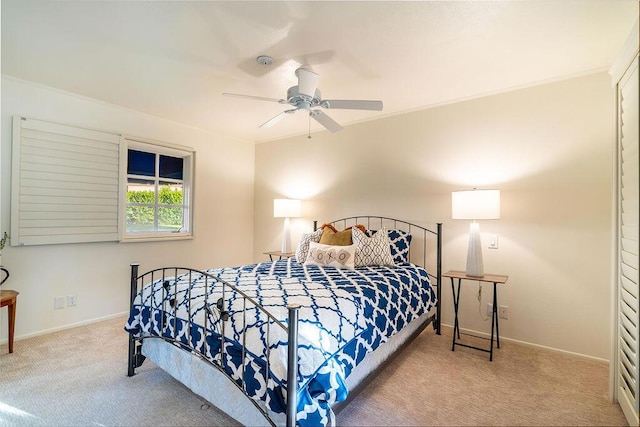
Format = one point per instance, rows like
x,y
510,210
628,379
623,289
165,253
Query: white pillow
x,y
303,246
375,250
331,256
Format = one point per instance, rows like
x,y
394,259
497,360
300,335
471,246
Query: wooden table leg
x,y
12,324
9,299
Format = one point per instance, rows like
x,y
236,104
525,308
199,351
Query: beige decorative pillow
x,y
331,256
340,238
331,236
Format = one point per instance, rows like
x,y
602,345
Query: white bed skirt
x,y
209,383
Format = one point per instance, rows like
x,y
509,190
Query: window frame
x,y
161,148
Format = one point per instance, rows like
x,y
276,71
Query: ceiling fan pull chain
x,y
309,134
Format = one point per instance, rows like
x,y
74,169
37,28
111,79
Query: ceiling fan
x,y
306,96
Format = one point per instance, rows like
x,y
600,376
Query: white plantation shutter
x,y
628,349
65,183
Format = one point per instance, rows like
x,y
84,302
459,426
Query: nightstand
x,y
279,254
487,278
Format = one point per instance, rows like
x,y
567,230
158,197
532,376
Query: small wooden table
x,y
9,298
279,254
488,278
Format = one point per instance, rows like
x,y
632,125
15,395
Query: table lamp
x,y
475,205
286,208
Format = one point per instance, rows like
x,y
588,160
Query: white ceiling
x,y
173,59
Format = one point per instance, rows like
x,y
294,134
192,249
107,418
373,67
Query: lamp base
x,y
286,238
474,252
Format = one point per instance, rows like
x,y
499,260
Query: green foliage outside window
x,y
142,217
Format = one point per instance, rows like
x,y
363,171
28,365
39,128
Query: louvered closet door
x,y
629,246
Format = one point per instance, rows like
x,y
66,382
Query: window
x,y
158,191
76,185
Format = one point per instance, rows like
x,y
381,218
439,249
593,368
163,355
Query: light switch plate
x,y
493,241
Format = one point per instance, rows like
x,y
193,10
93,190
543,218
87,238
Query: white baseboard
x,y
542,347
467,331
70,326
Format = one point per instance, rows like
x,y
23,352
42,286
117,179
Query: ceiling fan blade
x,y
257,98
276,119
351,104
326,121
307,81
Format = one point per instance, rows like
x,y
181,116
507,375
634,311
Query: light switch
x,y
493,241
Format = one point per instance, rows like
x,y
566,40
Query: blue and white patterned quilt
x,y
345,314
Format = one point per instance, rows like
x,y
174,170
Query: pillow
x,y
331,256
400,242
340,238
375,250
303,245
331,236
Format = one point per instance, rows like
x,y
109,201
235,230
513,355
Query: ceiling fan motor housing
x,y
294,97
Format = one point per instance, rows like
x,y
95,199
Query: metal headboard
x,y
421,250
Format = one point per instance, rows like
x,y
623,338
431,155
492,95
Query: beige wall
x,y
547,148
98,273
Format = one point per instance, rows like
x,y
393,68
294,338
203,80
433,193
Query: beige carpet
x,y
428,384
78,377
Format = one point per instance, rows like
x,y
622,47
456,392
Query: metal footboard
x,y
215,309
420,253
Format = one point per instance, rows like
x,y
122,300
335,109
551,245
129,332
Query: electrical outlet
x,y
58,302
489,309
503,312
71,300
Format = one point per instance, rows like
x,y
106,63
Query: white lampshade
x,y
286,208
475,204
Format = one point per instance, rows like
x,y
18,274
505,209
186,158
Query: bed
x,y
320,323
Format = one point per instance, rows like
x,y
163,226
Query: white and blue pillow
x,y
399,242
